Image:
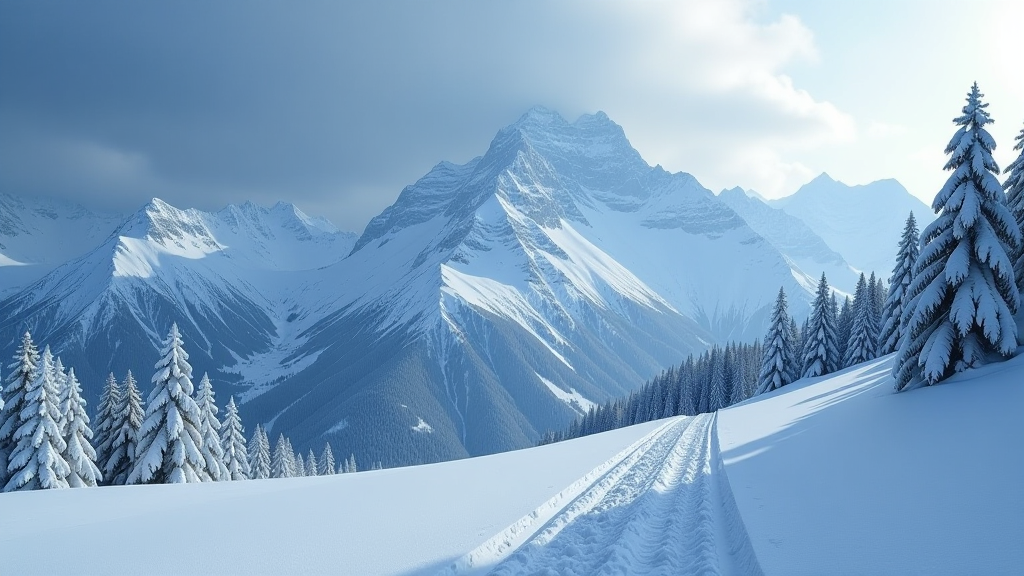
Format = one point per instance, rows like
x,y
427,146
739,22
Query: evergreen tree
x,y
22,373
844,326
213,452
282,465
899,282
170,447
128,417
877,289
259,454
298,467
78,452
964,292
796,351
327,465
36,461
232,441
1014,186
862,344
312,468
351,464
821,356
717,394
103,438
60,378
775,365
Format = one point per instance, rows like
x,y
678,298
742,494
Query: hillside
x,y
832,475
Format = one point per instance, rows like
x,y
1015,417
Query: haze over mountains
x,y
492,301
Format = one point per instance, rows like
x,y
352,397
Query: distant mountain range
x,y
492,301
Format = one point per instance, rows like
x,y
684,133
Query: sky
x,y
336,106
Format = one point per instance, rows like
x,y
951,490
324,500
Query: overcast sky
x,y
336,106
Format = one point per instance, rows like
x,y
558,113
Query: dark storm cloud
x,y
332,105
336,104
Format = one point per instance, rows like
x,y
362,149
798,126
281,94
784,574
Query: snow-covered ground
x,y
839,475
836,475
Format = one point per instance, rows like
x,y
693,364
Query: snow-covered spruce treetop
x,y
170,444
210,427
36,461
821,354
1014,186
775,366
964,293
902,275
79,453
128,418
19,377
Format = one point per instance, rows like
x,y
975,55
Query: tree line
x,y
47,440
949,304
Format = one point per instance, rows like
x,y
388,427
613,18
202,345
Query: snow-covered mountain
x,y
224,277
863,222
496,299
793,238
38,234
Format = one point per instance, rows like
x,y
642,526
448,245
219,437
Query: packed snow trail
x,y
662,506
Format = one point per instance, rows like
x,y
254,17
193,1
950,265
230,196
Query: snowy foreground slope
x,y
839,475
836,475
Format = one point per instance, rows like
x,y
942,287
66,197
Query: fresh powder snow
x,y
837,474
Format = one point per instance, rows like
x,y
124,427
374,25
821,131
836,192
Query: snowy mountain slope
x,y
559,260
833,475
863,222
842,475
793,238
38,234
222,276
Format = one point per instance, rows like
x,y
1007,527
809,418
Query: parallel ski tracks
x,y
662,506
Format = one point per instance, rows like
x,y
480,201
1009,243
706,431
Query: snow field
x,y
841,475
400,521
657,508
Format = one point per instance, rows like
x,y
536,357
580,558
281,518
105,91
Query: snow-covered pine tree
x,y
862,344
821,356
312,467
1014,186
298,466
36,461
796,350
349,464
902,274
170,445
776,369
844,326
103,437
737,384
282,464
60,376
78,453
964,292
327,464
232,441
877,290
213,452
717,393
259,454
128,417
21,373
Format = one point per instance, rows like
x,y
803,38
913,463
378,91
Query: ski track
x,y
661,506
